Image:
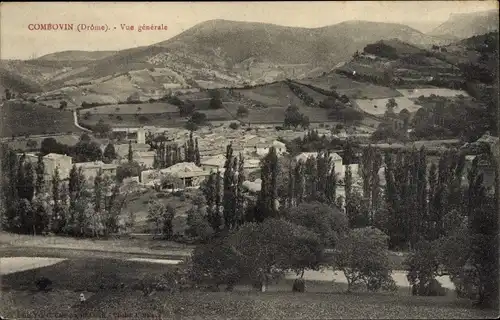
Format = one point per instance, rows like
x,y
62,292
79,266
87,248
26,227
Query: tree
x,y
109,153
50,145
167,219
391,105
267,203
423,266
198,118
85,151
215,99
363,257
102,128
63,104
293,118
8,94
229,189
31,144
197,157
242,112
198,221
130,154
405,116
328,222
187,108
266,250
126,170
40,175
57,221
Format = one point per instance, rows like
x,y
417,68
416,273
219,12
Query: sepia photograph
x,y
249,160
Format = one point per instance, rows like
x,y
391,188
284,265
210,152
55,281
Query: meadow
x,y
426,92
351,88
26,118
139,108
111,288
368,105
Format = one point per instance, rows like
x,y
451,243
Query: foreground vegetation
x,y
101,282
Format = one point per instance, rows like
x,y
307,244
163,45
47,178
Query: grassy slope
x,y
99,280
21,118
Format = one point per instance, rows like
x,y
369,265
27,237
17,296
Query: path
x,y
75,120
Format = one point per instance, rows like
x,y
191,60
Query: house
x,y
52,161
145,158
91,169
251,165
335,158
188,173
60,161
122,149
261,148
213,163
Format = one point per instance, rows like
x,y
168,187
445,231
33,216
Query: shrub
x,y
423,265
299,285
198,225
43,284
234,125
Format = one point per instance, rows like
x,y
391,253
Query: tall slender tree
x,y
229,190
130,155
267,199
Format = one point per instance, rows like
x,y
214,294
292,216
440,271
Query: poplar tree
x,y
130,155
197,157
56,222
109,153
229,194
298,178
40,175
267,199
240,197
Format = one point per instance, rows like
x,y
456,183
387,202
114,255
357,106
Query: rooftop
x,y
56,156
306,155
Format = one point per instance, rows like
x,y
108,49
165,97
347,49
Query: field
x,y
426,92
352,89
368,105
131,120
110,287
25,118
140,108
316,96
272,95
21,143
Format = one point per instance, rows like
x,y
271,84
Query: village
x,y
253,145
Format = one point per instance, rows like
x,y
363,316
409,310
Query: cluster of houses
x,y
252,144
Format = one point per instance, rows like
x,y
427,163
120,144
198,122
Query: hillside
x,y
468,24
16,82
221,53
76,55
25,118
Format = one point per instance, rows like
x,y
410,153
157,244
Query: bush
x,y
43,284
234,125
197,222
299,285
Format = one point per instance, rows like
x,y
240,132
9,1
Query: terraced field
x,y
273,95
377,106
140,108
426,92
352,89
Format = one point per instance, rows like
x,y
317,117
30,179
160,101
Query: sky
x,y
17,41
